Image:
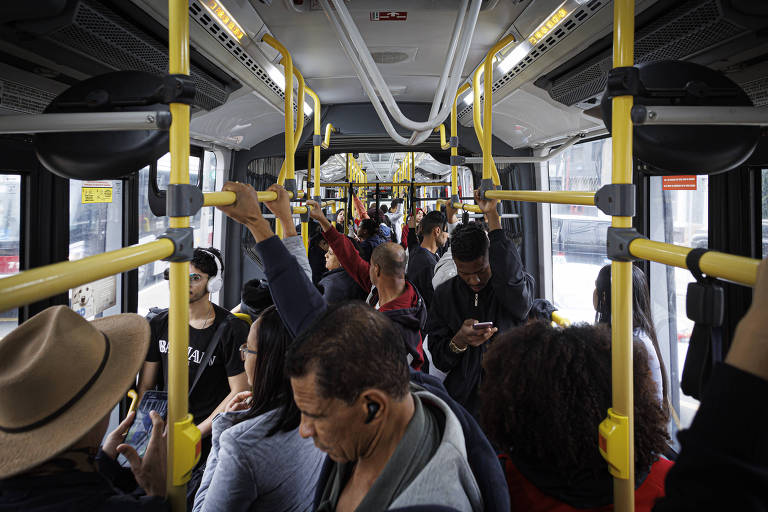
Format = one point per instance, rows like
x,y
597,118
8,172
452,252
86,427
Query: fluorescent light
x,y
226,20
277,77
514,57
469,98
307,109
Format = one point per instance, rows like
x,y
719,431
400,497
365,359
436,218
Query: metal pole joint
x,y
183,244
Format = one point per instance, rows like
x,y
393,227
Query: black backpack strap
x,y
704,305
217,334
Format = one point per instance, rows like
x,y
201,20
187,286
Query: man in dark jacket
x,y
422,258
490,286
288,282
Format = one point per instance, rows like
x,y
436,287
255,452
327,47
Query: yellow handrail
x,y
444,144
560,319
227,198
42,282
179,420
478,123
738,269
455,133
316,149
327,140
543,196
489,167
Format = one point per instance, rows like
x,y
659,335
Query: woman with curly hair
x,y
544,394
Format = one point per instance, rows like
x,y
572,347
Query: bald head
x,y
390,257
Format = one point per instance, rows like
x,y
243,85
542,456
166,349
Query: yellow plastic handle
x,y
186,450
134,400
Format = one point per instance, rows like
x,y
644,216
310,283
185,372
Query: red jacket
x,y
526,496
407,311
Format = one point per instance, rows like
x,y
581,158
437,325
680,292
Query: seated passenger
x,y
642,322
384,277
337,285
258,461
282,270
491,286
544,395
390,443
254,299
541,310
60,376
423,258
369,235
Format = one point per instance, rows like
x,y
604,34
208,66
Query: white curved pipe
x,y
364,55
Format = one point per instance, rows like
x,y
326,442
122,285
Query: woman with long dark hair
x,y
258,460
642,321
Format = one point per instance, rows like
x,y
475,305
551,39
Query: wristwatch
x,y
456,349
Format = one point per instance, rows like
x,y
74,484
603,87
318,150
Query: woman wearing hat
x,y
60,376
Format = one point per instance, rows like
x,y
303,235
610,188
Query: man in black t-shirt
x,y
224,375
423,257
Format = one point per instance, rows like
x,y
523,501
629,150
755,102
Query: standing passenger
x,y
491,286
216,372
423,258
395,215
258,460
337,285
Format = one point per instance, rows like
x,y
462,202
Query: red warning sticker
x,y
389,15
679,183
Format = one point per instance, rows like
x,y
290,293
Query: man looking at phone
x,y
60,376
216,372
489,293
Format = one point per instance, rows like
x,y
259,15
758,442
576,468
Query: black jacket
x,y
287,282
74,491
505,301
337,286
421,269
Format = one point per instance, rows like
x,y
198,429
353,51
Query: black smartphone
x,y
140,431
479,326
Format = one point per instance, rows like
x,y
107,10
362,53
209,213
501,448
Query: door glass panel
x,y
95,227
765,212
678,217
10,240
578,232
153,289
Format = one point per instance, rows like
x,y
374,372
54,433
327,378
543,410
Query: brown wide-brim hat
x,y
59,376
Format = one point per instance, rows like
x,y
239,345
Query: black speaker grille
x,y
100,33
693,27
23,98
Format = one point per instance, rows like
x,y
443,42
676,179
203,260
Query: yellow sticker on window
x,y
96,195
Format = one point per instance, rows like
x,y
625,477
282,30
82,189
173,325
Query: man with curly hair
x,y
490,286
544,395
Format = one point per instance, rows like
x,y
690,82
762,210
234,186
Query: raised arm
x,y
514,291
345,251
287,280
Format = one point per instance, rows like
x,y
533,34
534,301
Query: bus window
x,y
677,217
153,290
578,232
10,240
95,226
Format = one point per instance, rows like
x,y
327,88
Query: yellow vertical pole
x,y
178,316
316,149
455,133
488,109
621,283
477,120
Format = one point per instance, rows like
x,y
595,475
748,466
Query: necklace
x,y
208,317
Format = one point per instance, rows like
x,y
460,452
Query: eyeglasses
x,y
244,351
195,277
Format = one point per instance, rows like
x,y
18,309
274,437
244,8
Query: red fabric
x,y
349,258
404,236
526,496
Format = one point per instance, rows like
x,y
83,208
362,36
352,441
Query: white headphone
x,y
216,282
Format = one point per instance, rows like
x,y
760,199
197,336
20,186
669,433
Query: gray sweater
x,y
248,471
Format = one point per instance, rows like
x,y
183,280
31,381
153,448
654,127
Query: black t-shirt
x,y
213,385
421,269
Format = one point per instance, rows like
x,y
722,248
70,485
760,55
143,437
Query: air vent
x,y
109,38
23,98
576,19
201,16
393,54
687,30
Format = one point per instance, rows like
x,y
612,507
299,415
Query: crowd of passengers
x,y
369,386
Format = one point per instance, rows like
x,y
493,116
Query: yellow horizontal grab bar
x,y
730,267
467,207
543,196
560,319
42,282
227,198
444,144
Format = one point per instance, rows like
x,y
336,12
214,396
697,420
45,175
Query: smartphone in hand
x,y
140,431
479,326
